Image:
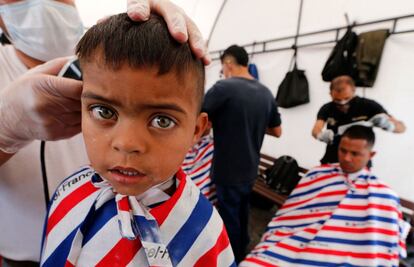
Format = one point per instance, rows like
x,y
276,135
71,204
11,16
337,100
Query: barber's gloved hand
x,y
383,121
326,136
181,27
40,106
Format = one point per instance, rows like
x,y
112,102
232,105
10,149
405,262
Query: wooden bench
x,y
260,187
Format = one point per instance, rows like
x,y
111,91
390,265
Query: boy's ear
x,y
201,125
372,154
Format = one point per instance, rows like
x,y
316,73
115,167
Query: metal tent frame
x,y
264,45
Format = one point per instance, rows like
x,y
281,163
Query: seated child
x,y
134,206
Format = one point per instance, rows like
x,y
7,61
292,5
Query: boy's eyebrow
x,y
101,98
167,106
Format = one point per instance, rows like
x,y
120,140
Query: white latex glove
x,y
39,106
326,136
181,27
383,121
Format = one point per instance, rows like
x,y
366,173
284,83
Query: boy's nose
x,y
128,140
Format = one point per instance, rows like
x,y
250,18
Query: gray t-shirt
x,y
240,110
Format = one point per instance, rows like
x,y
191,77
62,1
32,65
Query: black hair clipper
x,y
71,70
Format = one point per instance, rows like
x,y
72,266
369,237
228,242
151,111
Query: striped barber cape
x,y
197,165
83,227
334,219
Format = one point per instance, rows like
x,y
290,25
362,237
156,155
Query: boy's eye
x,y
162,122
102,113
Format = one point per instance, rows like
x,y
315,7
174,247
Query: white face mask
x,y
342,102
42,29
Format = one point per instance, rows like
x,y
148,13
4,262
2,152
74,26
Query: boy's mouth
x,y
125,175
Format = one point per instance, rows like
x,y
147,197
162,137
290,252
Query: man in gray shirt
x,y
241,110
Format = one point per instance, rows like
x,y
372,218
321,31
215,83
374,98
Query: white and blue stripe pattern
x,y
334,219
83,230
197,165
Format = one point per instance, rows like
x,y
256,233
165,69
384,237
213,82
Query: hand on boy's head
x,y
180,26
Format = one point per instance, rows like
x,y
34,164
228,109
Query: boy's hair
x,y
238,53
361,132
344,79
118,40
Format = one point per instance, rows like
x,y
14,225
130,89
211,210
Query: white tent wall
x,y
202,12
93,10
245,21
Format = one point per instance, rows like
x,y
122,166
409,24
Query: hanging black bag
x,y
294,89
283,175
342,60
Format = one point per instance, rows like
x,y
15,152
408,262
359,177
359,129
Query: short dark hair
x,y
360,132
343,79
238,53
119,40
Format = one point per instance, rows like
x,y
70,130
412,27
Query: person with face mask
x,y
38,30
347,109
41,30
36,105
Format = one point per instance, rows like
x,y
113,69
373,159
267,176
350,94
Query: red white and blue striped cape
x,y
197,165
189,225
334,219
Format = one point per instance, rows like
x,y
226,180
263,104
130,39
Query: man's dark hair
x,y
238,53
360,132
118,40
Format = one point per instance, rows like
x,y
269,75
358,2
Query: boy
x,y
141,100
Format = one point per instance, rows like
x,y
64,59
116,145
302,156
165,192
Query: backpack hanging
x,y
283,175
252,68
294,89
342,60
368,56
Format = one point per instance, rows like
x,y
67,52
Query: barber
x,y
347,109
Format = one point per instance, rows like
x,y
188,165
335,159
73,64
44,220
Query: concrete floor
x,y
261,212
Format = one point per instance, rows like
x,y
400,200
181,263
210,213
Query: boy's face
x,y
138,126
